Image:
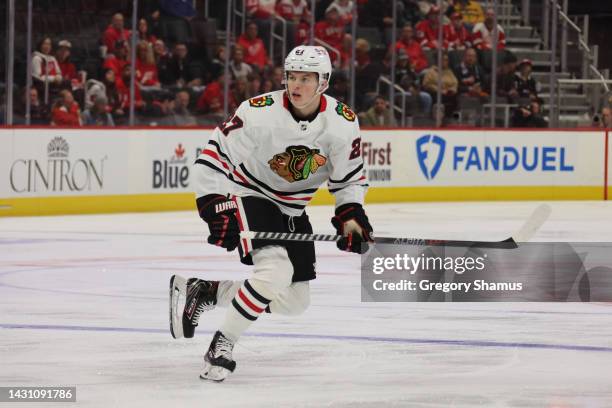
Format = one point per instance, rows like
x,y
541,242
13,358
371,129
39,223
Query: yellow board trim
x,y
186,201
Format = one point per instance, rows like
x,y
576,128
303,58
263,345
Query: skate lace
x,y
224,347
202,307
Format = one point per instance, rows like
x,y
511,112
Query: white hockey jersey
x,y
261,150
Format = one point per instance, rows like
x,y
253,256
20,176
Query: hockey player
x,y
258,172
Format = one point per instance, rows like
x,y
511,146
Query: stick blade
x,y
533,223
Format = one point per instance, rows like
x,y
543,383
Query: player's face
x,y
302,87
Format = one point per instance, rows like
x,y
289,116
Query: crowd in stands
x,y
180,84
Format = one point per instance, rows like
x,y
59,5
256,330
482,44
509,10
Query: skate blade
x,y
214,373
178,289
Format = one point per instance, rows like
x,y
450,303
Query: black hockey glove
x,y
352,222
220,215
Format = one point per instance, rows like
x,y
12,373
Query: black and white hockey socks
x,y
245,308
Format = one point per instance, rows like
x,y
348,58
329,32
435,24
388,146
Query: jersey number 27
x,y
234,123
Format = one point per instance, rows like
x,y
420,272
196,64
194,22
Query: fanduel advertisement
x,y
502,158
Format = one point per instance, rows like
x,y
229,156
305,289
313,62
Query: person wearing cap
x,y
331,30
345,10
524,84
69,72
427,30
115,32
456,35
413,48
470,10
483,33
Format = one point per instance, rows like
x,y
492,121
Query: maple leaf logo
x,y
179,151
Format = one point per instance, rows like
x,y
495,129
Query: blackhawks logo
x,y
345,112
296,163
261,101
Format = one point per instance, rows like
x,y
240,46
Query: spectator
x,y
277,78
218,62
146,70
39,112
267,86
506,77
123,88
470,75
524,84
181,116
605,121
345,10
483,33
260,9
378,115
119,59
456,35
331,31
69,72
213,91
113,98
293,10
255,50
143,32
346,52
427,30
410,83
412,48
115,32
97,114
471,11
183,71
338,87
66,111
238,68
450,84
162,61
529,116
362,53
255,84
45,68
239,91
606,117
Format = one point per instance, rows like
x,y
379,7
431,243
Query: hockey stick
x,y
524,234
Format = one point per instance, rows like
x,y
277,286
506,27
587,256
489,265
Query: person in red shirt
x,y
212,93
427,30
293,10
331,31
146,70
115,32
66,111
255,50
69,72
119,59
456,35
123,88
483,33
412,48
260,9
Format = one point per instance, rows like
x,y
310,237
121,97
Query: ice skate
x,y
200,296
218,362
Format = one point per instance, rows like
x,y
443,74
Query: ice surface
x,y
83,302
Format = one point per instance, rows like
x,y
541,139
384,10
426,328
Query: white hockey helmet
x,y
310,58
